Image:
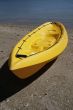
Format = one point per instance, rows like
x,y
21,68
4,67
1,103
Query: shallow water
x,y
36,11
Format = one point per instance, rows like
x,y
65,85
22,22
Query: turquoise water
x,y
36,11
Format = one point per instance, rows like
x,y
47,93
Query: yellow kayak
x,y
37,48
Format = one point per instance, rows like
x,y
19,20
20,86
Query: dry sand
x,y
50,89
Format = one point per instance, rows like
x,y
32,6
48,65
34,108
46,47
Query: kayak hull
x,y
28,71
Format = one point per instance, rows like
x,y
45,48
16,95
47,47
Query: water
x,y
36,11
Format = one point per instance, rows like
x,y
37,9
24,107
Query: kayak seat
x,y
43,44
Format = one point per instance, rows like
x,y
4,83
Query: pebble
x,y
1,50
45,93
26,105
7,100
18,35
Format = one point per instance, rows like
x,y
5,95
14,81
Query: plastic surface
x,y
39,46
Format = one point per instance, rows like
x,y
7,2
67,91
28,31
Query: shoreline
x,y
31,26
67,23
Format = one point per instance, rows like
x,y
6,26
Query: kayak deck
x,y
40,40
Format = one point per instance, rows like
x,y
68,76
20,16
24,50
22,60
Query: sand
x,y
50,89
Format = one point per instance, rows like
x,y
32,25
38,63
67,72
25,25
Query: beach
x,y
51,90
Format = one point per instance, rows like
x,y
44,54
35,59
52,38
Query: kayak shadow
x,y
10,84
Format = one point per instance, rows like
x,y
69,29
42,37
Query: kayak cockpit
x,y
41,40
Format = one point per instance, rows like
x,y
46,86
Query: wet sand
x,y
50,89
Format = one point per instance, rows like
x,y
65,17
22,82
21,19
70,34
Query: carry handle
x,y
20,55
